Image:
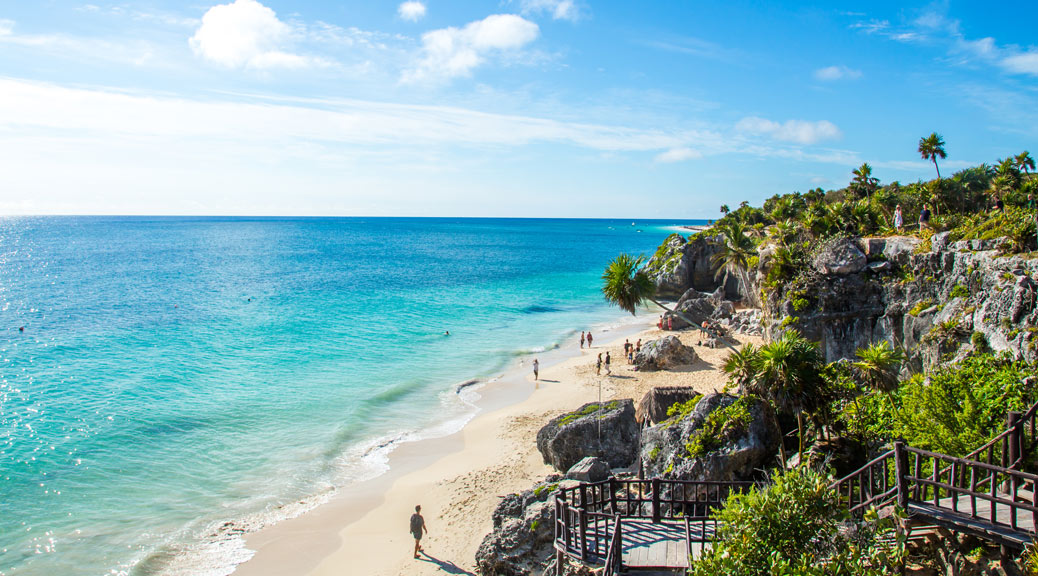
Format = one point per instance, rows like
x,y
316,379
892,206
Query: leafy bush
x,y
920,306
791,528
956,409
720,425
682,409
959,291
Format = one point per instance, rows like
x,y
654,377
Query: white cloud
x,y
245,34
798,131
559,9
411,10
679,154
6,27
452,52
837,73
1022,63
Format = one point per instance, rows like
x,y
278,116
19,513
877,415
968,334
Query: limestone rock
x,y
841,258
735,451
589,469
663,354
608,431
654,405
521,541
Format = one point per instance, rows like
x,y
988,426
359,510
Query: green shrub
x,y
956,409
959,291
980,343
588,410
721,425
683,409
790,528
920,306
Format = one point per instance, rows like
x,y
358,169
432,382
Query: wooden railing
x,y
1009,448
872,485
589,516
614,556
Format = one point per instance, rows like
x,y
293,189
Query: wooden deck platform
x,y
1001,531
663,545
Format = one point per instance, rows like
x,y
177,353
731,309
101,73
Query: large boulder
x,y
654,405
521,541
840,258
589,469
607,430
723,437
663,354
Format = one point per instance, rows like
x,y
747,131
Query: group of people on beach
x,y
588,338
631,349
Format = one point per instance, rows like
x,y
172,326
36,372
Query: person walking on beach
x,y
898,220
536,369
608,371
638,346
581,339
598,365
589,338
417,528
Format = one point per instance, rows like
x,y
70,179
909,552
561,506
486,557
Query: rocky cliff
x,y
936,300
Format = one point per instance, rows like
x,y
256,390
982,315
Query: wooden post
x,y
901,470
612,494
656,501
583,534
1016,439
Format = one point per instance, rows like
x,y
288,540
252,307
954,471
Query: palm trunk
x,y
782,439
692,322
800,436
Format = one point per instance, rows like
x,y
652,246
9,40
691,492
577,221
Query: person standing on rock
x,y
417,528
581,339
536,369
608,371
589,338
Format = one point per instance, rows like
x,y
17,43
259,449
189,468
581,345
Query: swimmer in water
x,y
446,332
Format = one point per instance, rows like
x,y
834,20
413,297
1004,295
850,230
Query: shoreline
x,y
458,478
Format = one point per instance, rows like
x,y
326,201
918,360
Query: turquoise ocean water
x,y
181,379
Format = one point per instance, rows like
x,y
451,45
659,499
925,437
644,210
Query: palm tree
x,y
877,369
1025,162
932,148
625,284
742,366
789,374
725,209
735,253
863,180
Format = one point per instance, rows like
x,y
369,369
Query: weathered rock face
x,y
589,469
733,448
663,354
936,304
521,542
840,258
680,264
654,405
608,431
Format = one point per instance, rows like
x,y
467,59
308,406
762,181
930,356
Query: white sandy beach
x,y
459,479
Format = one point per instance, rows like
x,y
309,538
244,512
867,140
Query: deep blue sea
x,y
181,379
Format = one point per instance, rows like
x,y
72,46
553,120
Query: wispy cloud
x,y
6,27
679,154
694,47
452,52
247,34
830,73
558,9
798,131
411,11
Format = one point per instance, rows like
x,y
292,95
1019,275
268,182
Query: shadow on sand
x,y
446,566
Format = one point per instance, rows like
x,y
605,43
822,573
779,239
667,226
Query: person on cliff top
x,y
999,205
898,219
417,526
924,217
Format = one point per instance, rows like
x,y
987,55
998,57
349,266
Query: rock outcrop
x,y
681,264
589,469
521,542
839,258
608,431
664,354
654,405
937,304
723,437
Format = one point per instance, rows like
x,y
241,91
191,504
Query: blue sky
x,y
555,108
